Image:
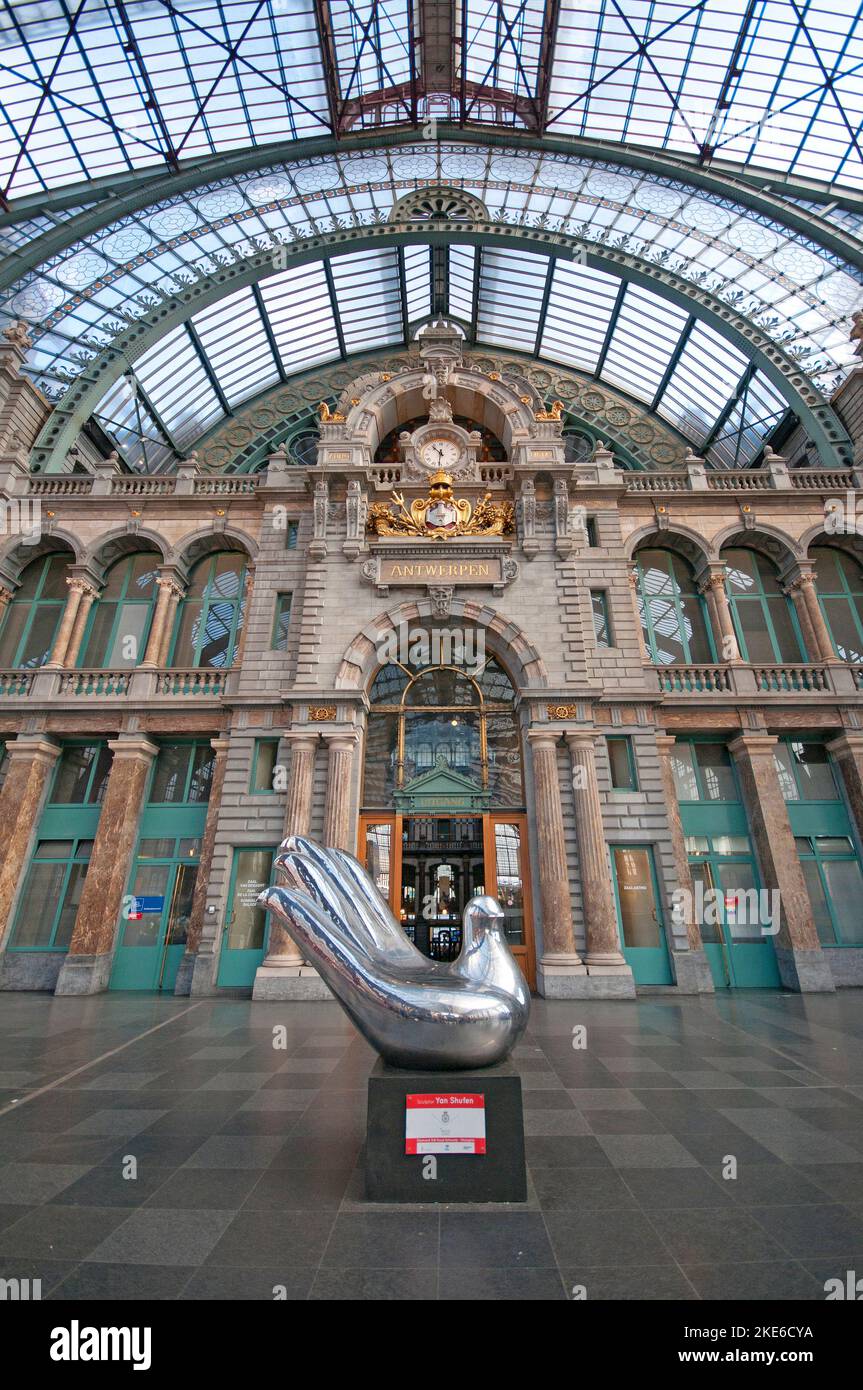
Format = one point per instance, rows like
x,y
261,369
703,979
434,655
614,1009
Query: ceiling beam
x,y
673,361
551,19
327,45
207,366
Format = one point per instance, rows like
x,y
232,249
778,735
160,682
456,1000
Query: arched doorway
x,y
443,813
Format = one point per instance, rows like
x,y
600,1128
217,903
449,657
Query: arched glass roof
x,y
93,88
104,103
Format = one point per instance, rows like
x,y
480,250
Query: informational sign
x,y
448,571
452,1123
143,905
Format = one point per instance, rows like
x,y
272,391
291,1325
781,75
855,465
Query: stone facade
x,y
302,533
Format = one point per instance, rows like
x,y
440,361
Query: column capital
x,y
755,742
582,738
220,744
33,746
539,735
341,738
665,742
133,746
712,577
302,739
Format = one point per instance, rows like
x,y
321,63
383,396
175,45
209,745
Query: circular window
x,y
576,446
304,450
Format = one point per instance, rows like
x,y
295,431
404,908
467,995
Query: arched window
x,y
672,611
34,614
446,719
764,617
840,593
120,621
210,617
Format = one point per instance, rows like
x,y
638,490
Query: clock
x,y
440,453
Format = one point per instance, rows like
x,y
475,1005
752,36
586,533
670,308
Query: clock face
x,y
440,453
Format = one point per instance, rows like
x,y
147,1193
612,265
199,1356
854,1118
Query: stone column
x,y
87,967
67,622
339,830
284,974
174,596
560,972
817,640
183,985
88,598
603,957
802,964
691,967
6,597
31,762
632,576
167,599
719,609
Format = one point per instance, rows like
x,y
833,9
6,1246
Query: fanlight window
x,y
34,614
671,609
840,594
441,719
764,619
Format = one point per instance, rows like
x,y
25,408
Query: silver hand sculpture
x,y
416,1012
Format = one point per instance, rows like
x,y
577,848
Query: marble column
x,y
88,597
186,971
804,596
339,827
284,974
87,966
847,753
691,966
57,658
175,593
724,636
31,759
603,956
560,972
169,594
802,964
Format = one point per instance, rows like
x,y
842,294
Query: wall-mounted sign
x,y
146,904
451,1123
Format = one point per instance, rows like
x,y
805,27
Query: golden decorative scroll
x,y
440,515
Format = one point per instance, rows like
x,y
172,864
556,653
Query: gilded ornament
x,y
440,515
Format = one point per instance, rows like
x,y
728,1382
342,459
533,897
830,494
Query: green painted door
x,y
639,917
156,914
244,936
734,918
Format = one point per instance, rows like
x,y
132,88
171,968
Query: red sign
x,y
452,1123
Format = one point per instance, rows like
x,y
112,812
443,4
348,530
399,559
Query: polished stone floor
x,y
248,1157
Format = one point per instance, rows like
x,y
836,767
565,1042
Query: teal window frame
x,y
674,599
254,789
88,799
192,744
35,604
284,604
626,741
819,858
70,861
122,602
602,630
703,800
208,601
847,592
800,799
761,597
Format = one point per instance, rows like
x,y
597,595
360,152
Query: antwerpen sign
x,y
468,566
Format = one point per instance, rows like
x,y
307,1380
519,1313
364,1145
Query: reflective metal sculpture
x,y
416,1012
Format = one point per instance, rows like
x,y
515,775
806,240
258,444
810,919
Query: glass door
x,y
732,913
429,866
156,914
638,914
244,935
508,880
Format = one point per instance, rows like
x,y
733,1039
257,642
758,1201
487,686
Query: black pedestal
x,y
498,1175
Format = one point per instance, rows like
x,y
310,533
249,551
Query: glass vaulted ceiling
x,y
92,88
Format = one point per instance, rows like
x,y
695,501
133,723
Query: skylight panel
x,y
643,342
461,271
177,385
512,286
417,282
234,339
704,378
368,298
579,312
300,314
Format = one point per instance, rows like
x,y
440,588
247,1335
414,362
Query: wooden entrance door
x,y
412,886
